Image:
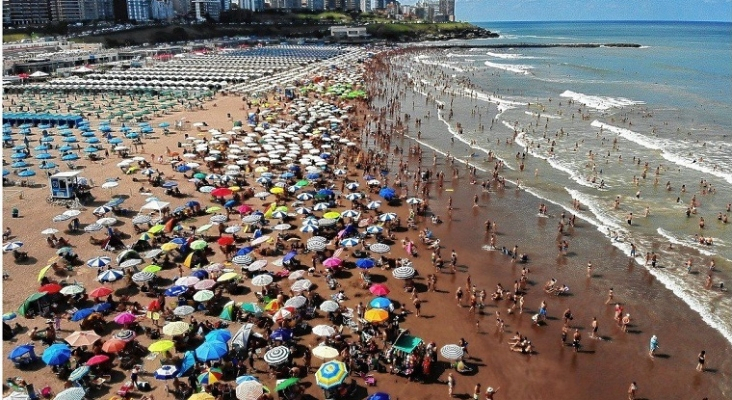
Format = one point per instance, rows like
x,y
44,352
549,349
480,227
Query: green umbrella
x,y
252,308
199,245
286,383
199,175
302,183
23,309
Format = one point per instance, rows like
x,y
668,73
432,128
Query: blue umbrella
x,y
313,175
70,157
20,147
289,256
57,354
132,135
325,192
91,149
6,172
47,139
92,140
189,360
66,147
230,203
125,129
78,373
178,241
200,274
380,302
211,350
170,184
115,202
245,378
183,168
281,334
18,156
81,314
379,396
163,124
43,156
69,139
41,147
87,134
222,335
102,307
287,175
166,372
21,350
387,193
26,173
20,164
115,140
175,291
48,165
193,203
110,276
7,138
244,251
365,263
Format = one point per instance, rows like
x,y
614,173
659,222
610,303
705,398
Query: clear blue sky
x,y
570,10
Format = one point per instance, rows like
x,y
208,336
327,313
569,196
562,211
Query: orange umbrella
x,y
113,346
170,225
100,292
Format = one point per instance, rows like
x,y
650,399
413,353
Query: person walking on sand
x,y
653,346
632,391
417,306
459,296
701,360
450,384
476,392
593,332
490,392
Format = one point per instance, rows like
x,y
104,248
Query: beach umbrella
x,y
141,219
12,246
252,308
211,350
113,346
176,328
379,248
71,290
203,295
387,217
125,318
110,275
380,302
141,277
324,330
325,352
182,311
211,375
350,214
414,200
132,262
452,352
282,335
204,285
305,196
300,285
99,262
249,390
277,356
152,268
161,346
82,338
242,260
376,315
349,242
124,334
251,219
56,354
332,262
316,246
379,289
74,393
379,396
93,227
403,272
282,227
165,373
296,302
374,229
50,288
331,374
365,263
329,306
96,360
284,384
222,335
227,277
79,373
81,314
262,280
100,292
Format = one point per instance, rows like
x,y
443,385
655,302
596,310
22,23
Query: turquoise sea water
x,y
667,105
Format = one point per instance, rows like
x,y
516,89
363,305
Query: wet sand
x,y
603,370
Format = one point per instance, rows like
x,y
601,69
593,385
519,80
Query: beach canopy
x,y
407,343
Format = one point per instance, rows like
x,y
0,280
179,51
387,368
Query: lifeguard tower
x,y
63,184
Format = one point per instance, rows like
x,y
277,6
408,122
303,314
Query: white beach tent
x,y
156,205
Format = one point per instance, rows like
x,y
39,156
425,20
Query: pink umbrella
x,y
332,262
245,208
204,284
379,289
187,281
98,359
125,318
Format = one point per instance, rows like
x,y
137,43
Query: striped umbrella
x,y
451,351
242,260
349,242
74,393
331,374
110,275
249,390
403,272
316,246
78,373
380,248
277,355
212,375
99,262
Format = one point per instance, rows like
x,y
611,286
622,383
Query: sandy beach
x,y
601,369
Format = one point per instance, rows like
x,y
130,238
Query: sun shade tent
x,y
155,205
406,343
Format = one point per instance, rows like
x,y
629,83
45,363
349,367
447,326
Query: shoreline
x,y
597,373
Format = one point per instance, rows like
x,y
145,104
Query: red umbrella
x,y
379,289
221,192
225,240
113,346
154,306
100,292
50,288
23,76
245,208
98,359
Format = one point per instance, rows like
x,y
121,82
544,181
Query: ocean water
x,y
600,124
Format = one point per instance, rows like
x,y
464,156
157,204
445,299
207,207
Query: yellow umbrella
x,y
202,396
188,261
376,315
161,346
277,190
273,305
234,188
176,328
213,209
168,246
332,215
227,277
43,272
261,169
281,208
152,268
156,229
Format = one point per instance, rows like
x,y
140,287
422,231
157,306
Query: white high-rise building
x,y
138,10
252,5
162,10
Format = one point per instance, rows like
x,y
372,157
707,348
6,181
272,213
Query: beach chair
x,y
125,390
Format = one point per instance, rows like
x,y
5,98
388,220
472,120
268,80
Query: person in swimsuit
x,y
701,360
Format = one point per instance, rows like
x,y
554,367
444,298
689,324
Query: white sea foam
x,y
635,137
697,165
600,103
517,68
506,56
542,115
502,104
685,242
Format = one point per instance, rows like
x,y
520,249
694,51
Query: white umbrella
x,y
49,231
325,352
257,265
328,305
379,248
110,185
262,280
324,330
297,301
403,272
301,285
249,390
452,351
